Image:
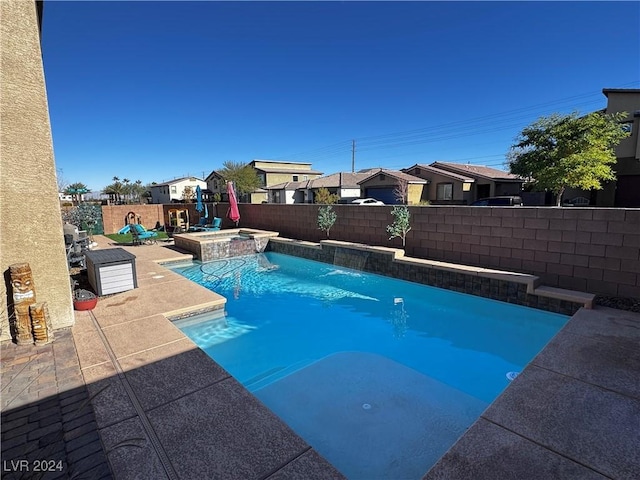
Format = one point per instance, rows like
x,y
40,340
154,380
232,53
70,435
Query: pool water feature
x,y
379,375
214,245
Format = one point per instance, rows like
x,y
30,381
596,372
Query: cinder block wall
x,y
113,216
595,250
30,221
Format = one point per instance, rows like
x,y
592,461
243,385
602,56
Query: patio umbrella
x,y
199,205
233,213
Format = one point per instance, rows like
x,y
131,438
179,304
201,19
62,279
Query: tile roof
x,y
288,185
397,174
339,180
288,170
477,170
176,180
444,173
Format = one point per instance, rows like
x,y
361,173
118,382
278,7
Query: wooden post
x,y
24,295
41,323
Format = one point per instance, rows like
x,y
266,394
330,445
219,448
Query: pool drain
x,y
366,406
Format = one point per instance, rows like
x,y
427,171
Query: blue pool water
x,y
379,375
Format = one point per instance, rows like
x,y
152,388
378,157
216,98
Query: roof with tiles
x,y
397,174
178,180
339,180
477,170
444,173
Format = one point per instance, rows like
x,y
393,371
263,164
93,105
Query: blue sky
x,y
155,90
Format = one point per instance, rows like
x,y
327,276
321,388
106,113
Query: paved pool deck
x,y
161,408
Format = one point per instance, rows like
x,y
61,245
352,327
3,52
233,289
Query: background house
x,y
488,182
625,190
288,192
444,187
462,184
216,186
343,184
273,172
173,190
383,184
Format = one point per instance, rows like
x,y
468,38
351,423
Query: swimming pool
x,y
379,375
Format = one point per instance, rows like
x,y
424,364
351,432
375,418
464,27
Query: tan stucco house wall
x,y
30,225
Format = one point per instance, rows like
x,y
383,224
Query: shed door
x,y
384,194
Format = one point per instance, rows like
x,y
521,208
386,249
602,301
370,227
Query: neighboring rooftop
x,y
397,174
478,170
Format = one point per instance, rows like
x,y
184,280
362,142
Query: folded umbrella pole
x,y
233,213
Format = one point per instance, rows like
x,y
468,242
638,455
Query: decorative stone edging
x,y
511,287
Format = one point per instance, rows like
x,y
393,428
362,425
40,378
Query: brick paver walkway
x,y
48,425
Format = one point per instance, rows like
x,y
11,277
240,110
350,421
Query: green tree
x,y
326,218
401,225
244,177
188,194
76,190
115,190
563,151
138,191
323,196
126,190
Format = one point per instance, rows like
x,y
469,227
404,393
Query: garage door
x,y
384,194
627,191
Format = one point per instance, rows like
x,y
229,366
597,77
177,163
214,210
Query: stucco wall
x,y
595,250
31,225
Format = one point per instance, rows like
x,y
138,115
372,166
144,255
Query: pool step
x,y
569,295
270,376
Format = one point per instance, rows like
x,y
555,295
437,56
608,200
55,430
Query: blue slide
x,y
124,229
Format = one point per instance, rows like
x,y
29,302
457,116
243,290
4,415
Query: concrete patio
x,y
163,409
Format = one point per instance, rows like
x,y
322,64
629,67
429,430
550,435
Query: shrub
x,y
326,218
401,225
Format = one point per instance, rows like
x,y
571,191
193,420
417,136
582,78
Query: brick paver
x,y
48,425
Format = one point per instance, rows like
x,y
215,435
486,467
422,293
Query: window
x,y
174,189
444,191
295,178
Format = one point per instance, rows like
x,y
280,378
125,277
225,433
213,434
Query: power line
x,y
448,131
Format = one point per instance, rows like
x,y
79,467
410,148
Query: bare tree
x,y
401,192
62,182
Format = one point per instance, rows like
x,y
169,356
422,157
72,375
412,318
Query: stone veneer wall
x,y
595,250
29,207
382,263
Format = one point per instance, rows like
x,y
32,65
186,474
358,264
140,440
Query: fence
x,y
594,250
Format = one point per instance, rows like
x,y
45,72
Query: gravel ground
x,y
621,303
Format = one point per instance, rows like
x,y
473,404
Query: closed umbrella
x,y
199,205
233,213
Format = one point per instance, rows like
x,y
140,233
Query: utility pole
x,y
353,156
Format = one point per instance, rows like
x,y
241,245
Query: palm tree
x,y
76,190
126,189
